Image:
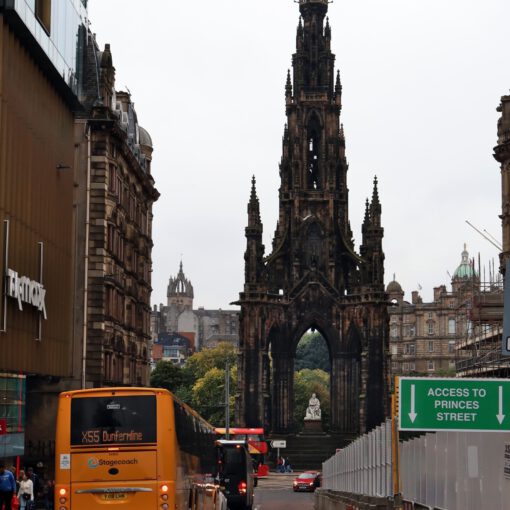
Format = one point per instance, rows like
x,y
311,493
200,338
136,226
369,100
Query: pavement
x,y
275,493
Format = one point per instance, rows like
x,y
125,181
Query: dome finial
x,y
465,270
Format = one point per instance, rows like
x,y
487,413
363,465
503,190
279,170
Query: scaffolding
x,y
479,353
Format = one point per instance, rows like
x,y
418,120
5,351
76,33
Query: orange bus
x,y
138,447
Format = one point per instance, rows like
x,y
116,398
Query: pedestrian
x,y
288,468
35,482
7,487
49,495
26,493
12,469
18,480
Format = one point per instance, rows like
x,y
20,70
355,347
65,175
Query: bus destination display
x,y
113,420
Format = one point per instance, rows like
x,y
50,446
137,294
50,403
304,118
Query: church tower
x,y
180,296
313,278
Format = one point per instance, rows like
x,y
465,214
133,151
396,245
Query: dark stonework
x,y
312,427
314,278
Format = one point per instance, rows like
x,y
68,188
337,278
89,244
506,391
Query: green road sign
x,y
454,404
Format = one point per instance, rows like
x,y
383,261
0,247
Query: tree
x,y
201,382
167,375
306,382
312,352
201,362
209,396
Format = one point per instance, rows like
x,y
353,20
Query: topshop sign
x,y
25,290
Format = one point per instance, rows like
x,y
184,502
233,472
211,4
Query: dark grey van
x,y
235,473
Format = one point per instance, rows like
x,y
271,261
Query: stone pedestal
x,y
313,427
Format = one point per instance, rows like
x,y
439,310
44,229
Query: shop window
x,y
43,14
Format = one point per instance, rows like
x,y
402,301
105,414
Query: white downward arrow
x,y
412,414
501,416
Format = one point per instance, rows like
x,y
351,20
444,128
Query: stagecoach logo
x,y
25,290
113,406
93,463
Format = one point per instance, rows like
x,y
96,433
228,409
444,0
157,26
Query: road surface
x,y
275,493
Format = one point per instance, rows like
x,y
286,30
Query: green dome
x,y
466,269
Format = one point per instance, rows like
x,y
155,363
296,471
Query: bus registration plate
x,y
114,496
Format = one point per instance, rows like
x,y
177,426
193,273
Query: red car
x,y
307,481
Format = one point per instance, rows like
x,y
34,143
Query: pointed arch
x,y
314,131
315,322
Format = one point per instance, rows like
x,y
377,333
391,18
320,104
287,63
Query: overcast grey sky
x,y
421,83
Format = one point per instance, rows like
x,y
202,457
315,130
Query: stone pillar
x,y
252,410
282,393
337,394
266,391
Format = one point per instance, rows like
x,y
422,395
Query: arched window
x,y
313,138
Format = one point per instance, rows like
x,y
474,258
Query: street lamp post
x,y
227,399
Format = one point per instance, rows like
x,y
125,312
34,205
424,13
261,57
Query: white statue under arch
x,y
313,411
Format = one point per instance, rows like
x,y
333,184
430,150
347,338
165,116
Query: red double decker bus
x,y
257,446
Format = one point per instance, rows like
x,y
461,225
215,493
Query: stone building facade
x,y
486,354
76,201
40,82
502,155
424,337
113,201
313,278
205,327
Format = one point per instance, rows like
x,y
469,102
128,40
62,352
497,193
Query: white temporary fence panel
x,y
456,471
445,470
364,467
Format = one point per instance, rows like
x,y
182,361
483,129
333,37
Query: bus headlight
x,y
164,497
62,500
164,506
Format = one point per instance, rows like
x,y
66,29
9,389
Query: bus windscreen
x,y
113,420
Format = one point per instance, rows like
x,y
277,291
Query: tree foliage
x,y
312,352
209,396
201,362
167,375
201,382
306,382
